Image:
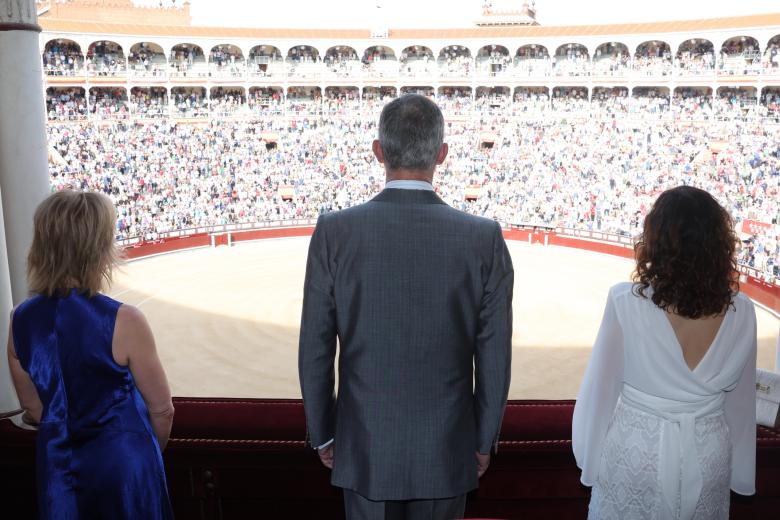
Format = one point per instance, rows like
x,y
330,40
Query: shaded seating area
x,y
246,458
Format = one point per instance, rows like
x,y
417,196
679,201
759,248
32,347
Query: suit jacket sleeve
x,y
493,349
317,346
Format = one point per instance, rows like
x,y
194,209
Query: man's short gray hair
x,y
411,132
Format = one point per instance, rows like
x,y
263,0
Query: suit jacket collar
x,y
400,196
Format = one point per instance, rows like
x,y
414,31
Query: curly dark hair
x,y
687,254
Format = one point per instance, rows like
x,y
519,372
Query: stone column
x,y
8,400
24,176
24,173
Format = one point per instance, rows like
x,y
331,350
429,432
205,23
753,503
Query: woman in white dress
x,y
664,423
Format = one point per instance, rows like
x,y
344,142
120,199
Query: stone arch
x,y
532,52
341,52
303,53
772,52
149,102
379,53
66,103
695,55
610,49
62,57
147,59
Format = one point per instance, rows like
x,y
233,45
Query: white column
x,y
24,176
8,400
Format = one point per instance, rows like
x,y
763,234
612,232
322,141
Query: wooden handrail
x,y
8,415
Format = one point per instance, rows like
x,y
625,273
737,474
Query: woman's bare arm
x,y
134,347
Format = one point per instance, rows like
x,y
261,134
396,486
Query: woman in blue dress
x,y
86,370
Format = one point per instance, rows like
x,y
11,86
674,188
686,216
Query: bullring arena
x,y
220,147
226,318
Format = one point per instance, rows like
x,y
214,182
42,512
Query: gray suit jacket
x,y
419,296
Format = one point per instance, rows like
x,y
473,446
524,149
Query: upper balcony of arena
x,y
121,42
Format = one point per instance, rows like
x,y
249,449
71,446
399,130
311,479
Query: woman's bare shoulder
x,y
132,334
129,315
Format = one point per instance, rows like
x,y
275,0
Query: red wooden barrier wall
x,y
766,293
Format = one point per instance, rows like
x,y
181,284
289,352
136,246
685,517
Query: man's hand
x,y
483,461
326,456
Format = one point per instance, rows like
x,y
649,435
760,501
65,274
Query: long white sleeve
x,y
598,394
740,410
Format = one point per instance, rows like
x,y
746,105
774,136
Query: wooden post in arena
x,y
777,354
24,174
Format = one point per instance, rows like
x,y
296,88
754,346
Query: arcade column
x,y
24,177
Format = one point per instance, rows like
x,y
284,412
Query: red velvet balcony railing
x,y
238,459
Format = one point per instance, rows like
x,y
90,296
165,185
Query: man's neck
x,y
409,175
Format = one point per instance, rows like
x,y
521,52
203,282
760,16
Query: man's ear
x,y
442,153
378,153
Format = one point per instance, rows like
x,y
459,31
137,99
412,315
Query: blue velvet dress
x,y
97,455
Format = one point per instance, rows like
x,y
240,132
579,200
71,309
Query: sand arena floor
x,y
226,319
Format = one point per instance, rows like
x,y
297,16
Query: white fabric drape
x,y
655,438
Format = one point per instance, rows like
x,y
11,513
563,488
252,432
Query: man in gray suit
x,y
419,296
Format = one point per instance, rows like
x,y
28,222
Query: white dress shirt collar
x,y
409,185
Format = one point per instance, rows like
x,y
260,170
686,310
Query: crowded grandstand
x,y
190,135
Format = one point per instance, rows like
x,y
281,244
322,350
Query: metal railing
x,y
386,69
12,413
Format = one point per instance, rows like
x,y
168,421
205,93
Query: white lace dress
x,y
655,439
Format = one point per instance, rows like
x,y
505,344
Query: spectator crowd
x,y
70,104
549,170
737,56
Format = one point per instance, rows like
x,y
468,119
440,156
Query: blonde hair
x,y
73,244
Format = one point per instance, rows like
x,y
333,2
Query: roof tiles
x,y
736,22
